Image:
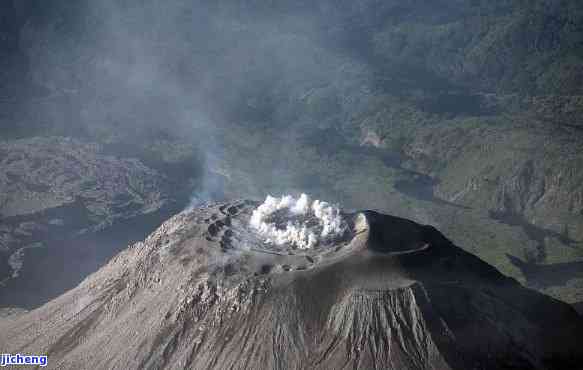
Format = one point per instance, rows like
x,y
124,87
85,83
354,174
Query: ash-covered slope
x,y
205,291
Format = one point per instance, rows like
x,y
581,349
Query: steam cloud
x,y
308,223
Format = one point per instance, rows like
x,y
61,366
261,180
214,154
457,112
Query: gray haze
x,y
132,73
181,85
462,114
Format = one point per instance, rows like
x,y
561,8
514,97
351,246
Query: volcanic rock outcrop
x,y
56,187
207,291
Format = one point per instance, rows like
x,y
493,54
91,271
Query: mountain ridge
x,y
192,296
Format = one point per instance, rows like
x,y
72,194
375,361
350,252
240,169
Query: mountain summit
x,y
296,284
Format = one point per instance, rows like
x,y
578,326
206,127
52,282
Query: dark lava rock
x,y
54,188
205,292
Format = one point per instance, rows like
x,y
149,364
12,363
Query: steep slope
x,y
520,169
206,290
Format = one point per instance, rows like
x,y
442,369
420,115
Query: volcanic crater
x,y
207,290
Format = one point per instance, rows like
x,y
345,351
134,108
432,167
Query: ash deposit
x,y
294,283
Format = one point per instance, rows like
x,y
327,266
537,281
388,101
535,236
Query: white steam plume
x,y
307,224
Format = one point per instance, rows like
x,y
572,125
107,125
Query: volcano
x,y
212,288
